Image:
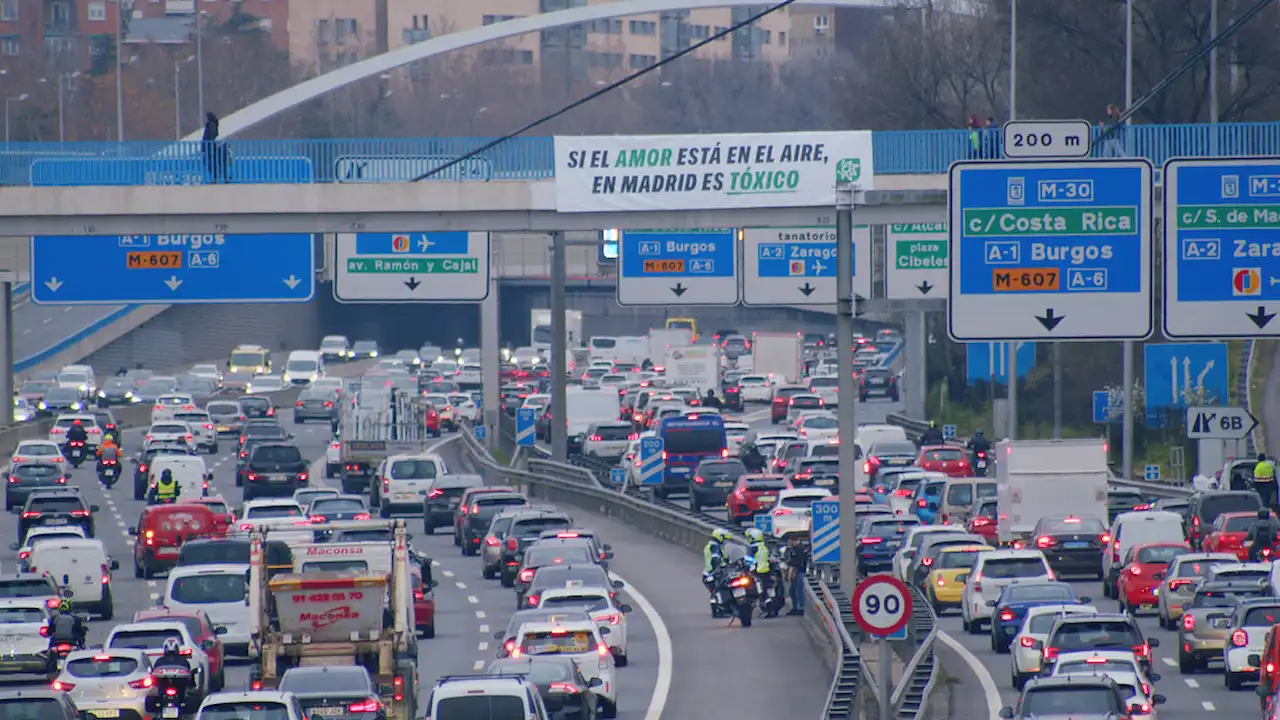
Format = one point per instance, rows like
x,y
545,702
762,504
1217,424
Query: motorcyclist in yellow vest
x,y
760,561
167,489
1264,481
712,559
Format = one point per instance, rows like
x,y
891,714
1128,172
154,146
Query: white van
x,y
80,565
1139,528
602,347
218,590
189,470
303,367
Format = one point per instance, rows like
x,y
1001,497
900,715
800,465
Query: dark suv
x,y
526,530
484,505
274,469
438,506
878,383
1075,695
60,507
257,406
24,478
1077,633
712,482
1207,506
546,552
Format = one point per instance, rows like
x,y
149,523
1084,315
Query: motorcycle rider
x,y
172,657
762,564
711,400
108,454
713,558
753,459
1262,535
77,433
1264,481
66,626
978,444
932,436
166,489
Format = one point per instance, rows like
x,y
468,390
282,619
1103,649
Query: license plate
x,y
894,543
768,498
170,712
824,481
1075,545
56,521
326,711
1148,606
453,503
739,592
224,428
405,496
279,478
9,639
679,471
107,713
726,483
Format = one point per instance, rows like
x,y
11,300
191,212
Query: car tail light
x,y
188,436
369,705
1044,541
595,438
255,685
30,514
475,509
1142,651
246,527
253,477
143,684
526,575
1050,653
779,512
513,544
106,575
870,540
362,516
698,479
981,521
602,651
1106,538
299,403
149,437
208,426
926,561
24,554
62,686
509,646
1135,570
492,541
564,688
51,603
533,600
1027,641
79,513
613,618
1239,638
902,492
664,454
1175,584
271,412
319,519
1006,615
1188,622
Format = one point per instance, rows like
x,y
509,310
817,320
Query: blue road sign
x,y
188,168
989,362
948,432
1050,250
797,265
652,466
525,427
672,267
824,532
482,432
764,523
172,269
617,476
1221,269
1178,375
1151,473
1104,412
899,634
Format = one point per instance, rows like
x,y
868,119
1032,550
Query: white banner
x,y
704,172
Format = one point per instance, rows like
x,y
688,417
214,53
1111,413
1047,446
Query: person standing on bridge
x,y
214,156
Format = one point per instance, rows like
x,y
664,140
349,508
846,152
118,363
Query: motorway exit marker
x,y
1050,250
1222,248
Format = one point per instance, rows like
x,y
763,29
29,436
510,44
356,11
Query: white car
x,y
455,696
817,426
1027,648
219,591
208,372
1248,638
93,433
734,434
107,683
333,458
23,644
253,704
826,387
23,411
802,402
793,510
170,431
915,537
78,381
267,384
992,572
464,408
608,439
166,405
83,569
150,637
40,451
755,388
202,428
469,375
403,481
602,608
583,642
274,513
335,347
1135,686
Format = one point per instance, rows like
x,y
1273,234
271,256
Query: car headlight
x,y
373,354
42,406
75,406
102,393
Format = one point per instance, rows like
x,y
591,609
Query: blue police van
x,y
687,441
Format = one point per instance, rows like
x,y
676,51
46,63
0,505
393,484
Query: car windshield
x,y
556,642
59,395
1013,567
38,449
893,447
566,555
893,528
35,708
35,472
1086,525
1222,598
1262,616
256,710
1041,624
111,666
588,603
277,454
800,501
1091,701
535,526
1161,554
168,429
820,422
192,417
413,470
210,588
223,408
1019,593
958,559
57,504
683,441
539,673
274,511
499,501
1214,505
333,680
337,505
23,587
144,639
765,484
474,707
1240,523
116,383
943,455
1188,569
302,366
1095,665
19,615
255,403
1096,634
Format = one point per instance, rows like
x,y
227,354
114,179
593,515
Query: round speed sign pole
x,y
882,607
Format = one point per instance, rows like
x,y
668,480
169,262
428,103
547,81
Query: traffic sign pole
x,y
846,392
882,608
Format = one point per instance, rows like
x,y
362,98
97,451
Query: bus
x,y
684,323
252,359
686,441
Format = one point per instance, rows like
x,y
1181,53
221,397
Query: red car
x,y
424,605
1140,579
983,521
782,401
946,459
1227,534
754,494
202,631
222,517
432,422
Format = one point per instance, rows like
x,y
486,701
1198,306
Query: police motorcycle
x,y
66,631
737,591
76,452
175,684
981,459
109,471
772,599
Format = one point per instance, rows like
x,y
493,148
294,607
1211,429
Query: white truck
x,y
540,329
338,617
695,366
778,356
1042,478
662,340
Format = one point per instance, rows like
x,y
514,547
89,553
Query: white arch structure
x,y
311,89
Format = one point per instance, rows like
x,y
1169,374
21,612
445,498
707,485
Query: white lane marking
x,y
483,646
484,629
1191,683
1170,662
446,573
461,585
479,665
989,689
436,563
473,599
661,688
1207,706
151,583
480,614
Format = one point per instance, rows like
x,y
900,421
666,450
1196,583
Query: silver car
x,y
24,649
1026,651
202,429
112,679
491,552
227,415
171,432
1178,584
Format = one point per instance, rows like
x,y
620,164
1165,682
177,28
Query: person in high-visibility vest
x,y
1264,481
166,489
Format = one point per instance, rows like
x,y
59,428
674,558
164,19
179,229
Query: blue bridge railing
x,y
398,159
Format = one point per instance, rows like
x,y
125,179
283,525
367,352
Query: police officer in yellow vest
x,y
712,559
166,489
761,562
1264,481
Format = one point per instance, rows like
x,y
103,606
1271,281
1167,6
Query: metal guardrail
x,y
336,160
1257,440
920,673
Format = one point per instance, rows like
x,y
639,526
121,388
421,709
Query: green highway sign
x,y
917,267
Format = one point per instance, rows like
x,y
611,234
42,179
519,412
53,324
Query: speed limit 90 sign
x,y
881,605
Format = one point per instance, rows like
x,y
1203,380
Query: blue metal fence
x,y
391,159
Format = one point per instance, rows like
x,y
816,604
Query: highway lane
x,y
39,327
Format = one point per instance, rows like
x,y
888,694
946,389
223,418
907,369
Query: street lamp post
x,y
62,82
7,101
119,72
177,96
200,62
